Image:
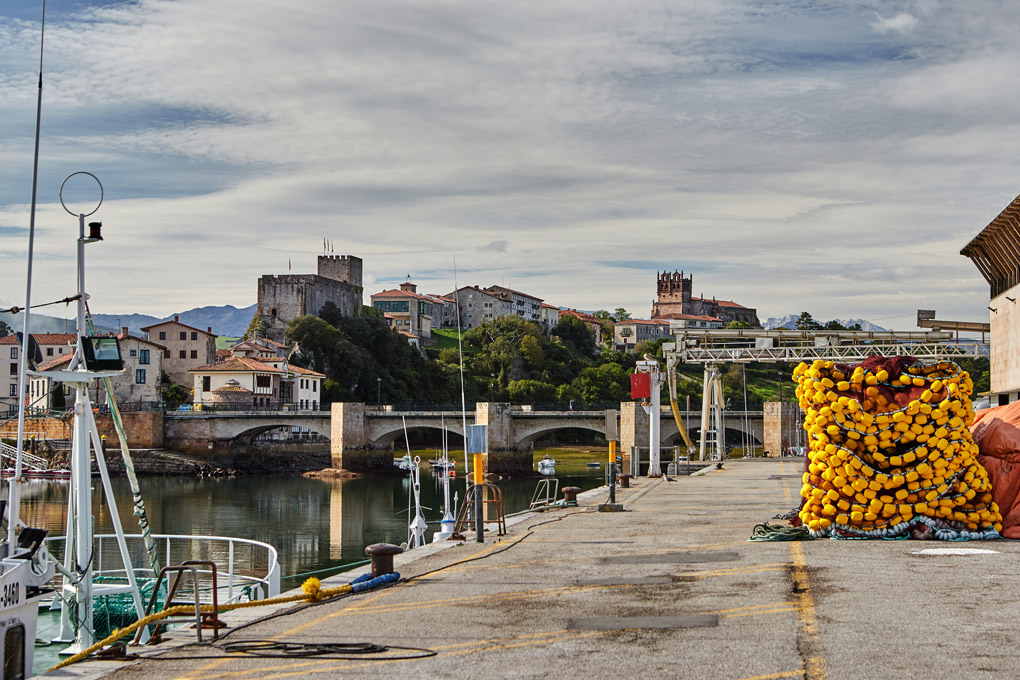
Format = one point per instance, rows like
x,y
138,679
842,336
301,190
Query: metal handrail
x,y
269,584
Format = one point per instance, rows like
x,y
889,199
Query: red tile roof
x,y
689,317
55,363
545,306
401,294
580,315
237,365
232,388
44,339
661,321
304,371
512,291
721,303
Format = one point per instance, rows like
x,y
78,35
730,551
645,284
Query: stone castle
x,y
285,297
675,300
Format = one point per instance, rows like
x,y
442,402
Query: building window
x,y
194,354
194,335
133,352
14,352
14,390
263,381
206,383
184,335
166,354
184,354
143,356
49,351
139,376
162,335
315,386
14,369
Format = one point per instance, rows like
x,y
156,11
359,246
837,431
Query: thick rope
x,y
313,592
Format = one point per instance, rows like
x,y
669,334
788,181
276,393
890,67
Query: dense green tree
x,y
606,382
531,391
738,324
806,322
5,330
620,314
576,336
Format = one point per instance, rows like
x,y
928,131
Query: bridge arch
x,y
525,441
388,437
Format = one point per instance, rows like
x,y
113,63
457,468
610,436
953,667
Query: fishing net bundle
x,y
891,455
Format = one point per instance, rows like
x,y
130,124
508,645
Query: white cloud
x,y
794,157
899,23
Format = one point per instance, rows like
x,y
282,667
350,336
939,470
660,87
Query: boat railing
x,y
246,569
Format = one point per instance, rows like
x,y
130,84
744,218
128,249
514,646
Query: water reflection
x,y
313,524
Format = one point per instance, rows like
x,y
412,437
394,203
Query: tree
x,y
620,314
807,323
173,395
531,391
834,325
575,335
738,324
5,330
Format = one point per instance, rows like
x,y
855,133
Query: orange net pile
x,y
890,452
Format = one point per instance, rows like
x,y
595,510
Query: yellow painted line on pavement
x,y
776,676
814,663
808,643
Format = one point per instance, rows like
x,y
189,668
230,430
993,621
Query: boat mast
x,y
14,490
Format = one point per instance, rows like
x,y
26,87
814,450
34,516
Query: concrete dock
x,y
669,588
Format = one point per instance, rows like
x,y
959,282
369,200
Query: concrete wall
x,y
782,420
633,429
144,429
1004,367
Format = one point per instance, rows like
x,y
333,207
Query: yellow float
x,y
890,452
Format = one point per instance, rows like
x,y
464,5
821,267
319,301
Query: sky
x,y
830,157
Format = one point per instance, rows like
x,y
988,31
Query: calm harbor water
x,y
313,524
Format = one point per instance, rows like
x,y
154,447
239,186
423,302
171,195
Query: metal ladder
x,y
495,500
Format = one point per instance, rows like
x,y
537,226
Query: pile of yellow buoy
x,y
891,453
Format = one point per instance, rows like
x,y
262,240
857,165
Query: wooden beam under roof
x,y
996,250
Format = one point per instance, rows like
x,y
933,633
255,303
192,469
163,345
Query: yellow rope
x,y
313,592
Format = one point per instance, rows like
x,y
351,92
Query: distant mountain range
x,y
790,321
225,320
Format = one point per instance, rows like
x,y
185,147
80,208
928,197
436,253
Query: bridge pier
x,y
503,456
350,447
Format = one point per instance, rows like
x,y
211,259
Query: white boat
x,y
404,463
547,466
24,572
443,464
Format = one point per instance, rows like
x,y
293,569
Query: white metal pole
x,y
654,416
706,398
14,486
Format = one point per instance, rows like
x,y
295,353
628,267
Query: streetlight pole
x,y
492,378
378,391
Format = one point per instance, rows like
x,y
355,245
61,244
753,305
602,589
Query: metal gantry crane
x,y
713,346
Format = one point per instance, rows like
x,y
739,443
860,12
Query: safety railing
x,y
246,568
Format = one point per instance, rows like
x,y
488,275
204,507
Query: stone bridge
x,y
363,437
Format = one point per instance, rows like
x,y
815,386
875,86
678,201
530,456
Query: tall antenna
x,y
13,501
460,352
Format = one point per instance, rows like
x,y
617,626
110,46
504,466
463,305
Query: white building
x,y
51,345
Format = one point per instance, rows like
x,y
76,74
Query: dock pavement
x,y
671,587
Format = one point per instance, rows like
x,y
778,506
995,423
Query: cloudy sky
x,y
794,155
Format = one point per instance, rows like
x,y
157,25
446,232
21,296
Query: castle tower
x,y
346,268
